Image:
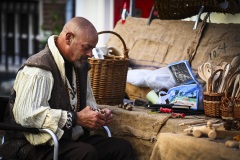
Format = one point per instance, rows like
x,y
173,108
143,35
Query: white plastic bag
x,y
137,77
160,79
155,79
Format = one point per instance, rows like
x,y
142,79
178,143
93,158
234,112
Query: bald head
x,y
77,39
79,24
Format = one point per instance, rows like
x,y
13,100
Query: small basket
x,y
236,109
108,76
180,9
212,101
227,108
230,105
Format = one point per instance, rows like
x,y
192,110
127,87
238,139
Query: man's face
x,y
81,47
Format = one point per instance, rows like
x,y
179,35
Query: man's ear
x,y
68,37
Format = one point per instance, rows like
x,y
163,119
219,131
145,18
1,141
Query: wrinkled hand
x,y
108,116
91,119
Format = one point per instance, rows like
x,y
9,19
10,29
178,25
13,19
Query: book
x,y
182,73
188,90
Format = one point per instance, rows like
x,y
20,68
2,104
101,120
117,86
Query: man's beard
x,y
81,62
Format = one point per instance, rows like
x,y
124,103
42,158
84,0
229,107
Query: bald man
x,y
52,90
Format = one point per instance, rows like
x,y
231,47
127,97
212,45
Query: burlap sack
x,y
167,41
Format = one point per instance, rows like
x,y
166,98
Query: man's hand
x,y
108,116
91,119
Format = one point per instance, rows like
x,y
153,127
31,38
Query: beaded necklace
x,y
72,92
78,89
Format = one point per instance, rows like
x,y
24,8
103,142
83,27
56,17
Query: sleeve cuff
x,y
63,119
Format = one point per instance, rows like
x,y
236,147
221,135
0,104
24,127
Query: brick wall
x,y
54,14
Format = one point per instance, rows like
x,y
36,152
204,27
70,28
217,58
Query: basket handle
x,y
125,51
229,80
211,79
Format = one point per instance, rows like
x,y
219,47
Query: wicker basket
x,y
108,76
230,105
212,101
236,109
179,9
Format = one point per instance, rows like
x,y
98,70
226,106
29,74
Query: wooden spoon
x,y
207,72
238,92
236,84
200,73
235,63
233,67
215,78
224,75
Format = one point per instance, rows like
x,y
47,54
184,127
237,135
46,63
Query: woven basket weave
x,y
212,101
179,9
230,105
108,76
236,109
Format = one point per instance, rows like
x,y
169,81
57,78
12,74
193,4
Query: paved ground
x,y
7,79
6,82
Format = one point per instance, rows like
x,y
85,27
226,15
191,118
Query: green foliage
x,y
56,21
56,28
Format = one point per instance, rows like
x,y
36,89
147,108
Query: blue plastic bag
x,y
188,91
